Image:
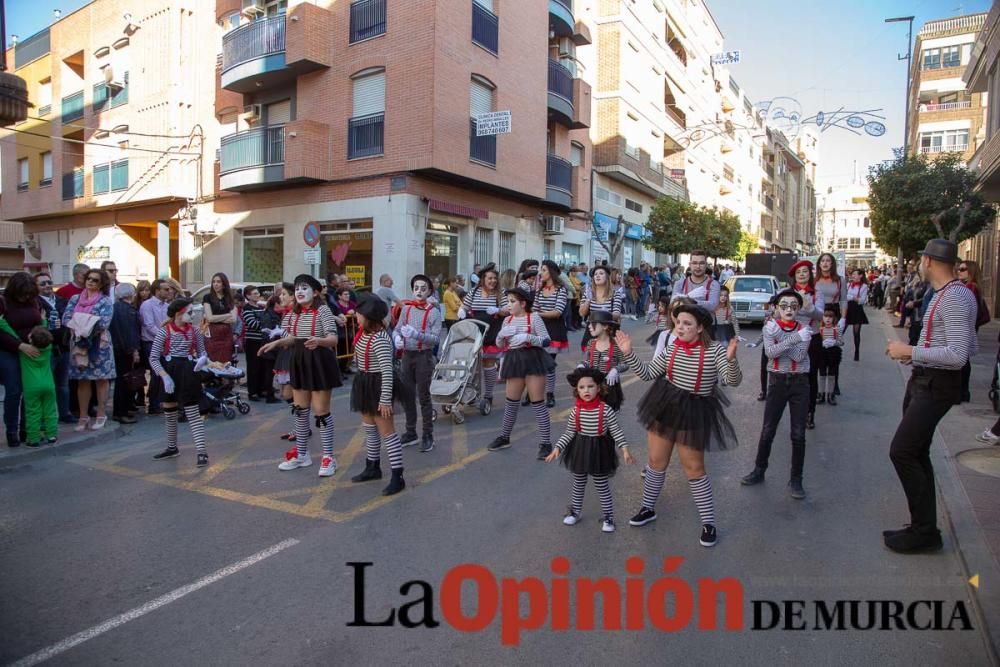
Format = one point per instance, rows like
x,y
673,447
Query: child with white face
x,y
417,333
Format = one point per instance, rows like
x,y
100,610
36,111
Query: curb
x,y
27,454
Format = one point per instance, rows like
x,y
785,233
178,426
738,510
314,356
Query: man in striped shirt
x,y
946,342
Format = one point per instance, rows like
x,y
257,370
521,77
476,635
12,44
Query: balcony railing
x,y
259,147
72,184
72,107
366,136
44,110
560,80
558,173
254,40
954,148
367,19
568,4
927,107
482,149
769,203
485,28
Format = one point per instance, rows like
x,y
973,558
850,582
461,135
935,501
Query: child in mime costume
x,y
417,332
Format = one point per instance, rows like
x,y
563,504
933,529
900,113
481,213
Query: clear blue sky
x,y
829,55
26,17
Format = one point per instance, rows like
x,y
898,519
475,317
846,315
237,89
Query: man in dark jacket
x,y
125,341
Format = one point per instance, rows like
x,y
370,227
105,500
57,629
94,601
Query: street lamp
x,y
906,107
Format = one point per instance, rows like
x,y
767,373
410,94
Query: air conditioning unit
x,y
554,224
253,8
251,113
116,84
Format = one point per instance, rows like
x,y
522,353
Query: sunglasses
x,y
93,279
45,283
963,268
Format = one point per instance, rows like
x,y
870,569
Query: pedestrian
x,y
386,293
152,315
857,297
700,286
284,301
373,392
809,315
88,315
60,345
474,276
253,339
507,280
487,303
684,408
71,289
269,328
110,268
771,308
452,302
605,356
968,273
527,276
143,291
947,340
668,335
525,365
829,283
310,332
125,328
218,319
786,344
662,319
343,307
416,334
177,354
831,336
601,295
588,447
550,302
727,327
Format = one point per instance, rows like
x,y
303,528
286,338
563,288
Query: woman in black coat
x,y
125,325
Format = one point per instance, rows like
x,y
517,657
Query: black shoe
x,y
168,453
149,412
181,417
821,399
409,439
498,444
642,517
68,419
856,356
253,397
202,460
396,484
762,396
836,389
756,476
831,399
372,471
526,402
12,439
895,531
550,400
795,489
543,451
912,542
810,421
124,420
708,536
426,443
33,445
272,399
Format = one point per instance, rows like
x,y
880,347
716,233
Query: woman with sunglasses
x,y
92,355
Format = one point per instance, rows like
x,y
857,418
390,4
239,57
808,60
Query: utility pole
x,y
906,109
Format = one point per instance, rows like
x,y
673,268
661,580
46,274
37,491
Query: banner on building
x,y
494,122
727,58
356,272
90,254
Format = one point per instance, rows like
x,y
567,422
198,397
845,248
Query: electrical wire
x,y
90,143
134,134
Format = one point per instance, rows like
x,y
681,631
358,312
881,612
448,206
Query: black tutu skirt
x,y
187,384
525,361
615,397
591,455
366,390
829,359
313,370
283,362
653,337
856,313
494,324
723,333
682,417
558,338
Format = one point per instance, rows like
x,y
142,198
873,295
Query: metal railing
x,y
366,135
927,107
72,107
259,147
568,4
954,148
72,184
482,149
367,19
44,110
485,28
254,40
558,173
560,81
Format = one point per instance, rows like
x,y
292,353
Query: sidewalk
x,y
69,441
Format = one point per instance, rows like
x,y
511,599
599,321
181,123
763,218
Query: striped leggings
x,y
603,490
701,493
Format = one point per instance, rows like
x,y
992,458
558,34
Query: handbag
x,y
135,379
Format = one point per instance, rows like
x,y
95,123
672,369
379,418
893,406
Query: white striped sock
x,y
652,484
373,445
701,491
197,426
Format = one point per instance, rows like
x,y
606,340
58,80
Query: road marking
x,y
318,500
248,441
152,605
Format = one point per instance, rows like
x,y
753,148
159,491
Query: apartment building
x,y
944,115
742,184
845,225
11,249
788,219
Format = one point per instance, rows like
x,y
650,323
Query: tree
x,y
748,244
914,199
613,249
679,227
722,233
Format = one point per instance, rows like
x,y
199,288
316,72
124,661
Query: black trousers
x,y
255,368
154,389
930,393
815,361
417,371
791,389
122,397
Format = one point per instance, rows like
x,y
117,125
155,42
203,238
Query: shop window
x,y
347,249
263,255
441,250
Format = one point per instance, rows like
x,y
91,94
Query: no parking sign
x,y
311,234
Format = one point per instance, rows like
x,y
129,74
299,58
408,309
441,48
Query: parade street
x,y
109,557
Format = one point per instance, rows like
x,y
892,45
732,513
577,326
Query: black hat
x,y
702,316
420,276
486,269
601,267
372,308
586,372
306,279
788,292
602,317
553,268
177,305
941,250
523,295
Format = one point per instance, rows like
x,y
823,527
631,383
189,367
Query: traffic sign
x,y
311,234
312,256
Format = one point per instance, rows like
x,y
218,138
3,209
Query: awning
x,y
459,209
36,265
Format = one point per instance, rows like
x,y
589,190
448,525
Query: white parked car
x,y
749,296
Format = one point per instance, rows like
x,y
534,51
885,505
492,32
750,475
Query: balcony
x,y
365,136
558,181
482,149
72,107
485,28
72,184
276,50
953,148
252,158
928,107
561,20
367,20
560,93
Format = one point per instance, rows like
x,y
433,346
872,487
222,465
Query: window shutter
x,y
369,94
480,99
486,4
279,113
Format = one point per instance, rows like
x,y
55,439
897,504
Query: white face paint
x,y
304,294
185,315
421,290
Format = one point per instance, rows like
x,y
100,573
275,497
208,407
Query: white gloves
x,y
507,331
462,314
805,334
842,324
168,384
519,340
612,377
492,310
752,345
397,340
276,332
407,331
829,342
697,293
200,363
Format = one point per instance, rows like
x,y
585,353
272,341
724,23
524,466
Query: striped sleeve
x,y
156,351
286,325
616,303
328,321
729,371
614,428
650,371
953,330
567,436
382,350
199,343
735,322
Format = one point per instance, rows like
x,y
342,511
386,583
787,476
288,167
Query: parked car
x,y
750,295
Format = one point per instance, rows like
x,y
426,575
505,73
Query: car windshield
x,y
758,285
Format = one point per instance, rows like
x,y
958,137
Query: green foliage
x,y
680,227
748,244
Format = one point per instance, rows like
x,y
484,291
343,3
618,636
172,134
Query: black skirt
x,y
283,360
558,338
856,313
366,392
829,359
494,324
313,370
723,333
525,361
187,384
682,417
591,455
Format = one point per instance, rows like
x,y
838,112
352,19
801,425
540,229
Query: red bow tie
x,y
788,326
587,405
687,347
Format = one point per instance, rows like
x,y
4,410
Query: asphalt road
x,y
109,557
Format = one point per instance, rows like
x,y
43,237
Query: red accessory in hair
x,y
798,265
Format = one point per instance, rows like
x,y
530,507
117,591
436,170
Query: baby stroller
x,y
457,376
218,390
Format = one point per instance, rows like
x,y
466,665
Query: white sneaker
x,y
571,518
327,466
296,462
608,525
988,437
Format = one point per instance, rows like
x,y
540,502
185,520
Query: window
x,y
46,169
869,244
230,22
570,253
441,249
278,113
481,100
485,26
608,196
73,184
22,174
102,179
932,58
855,244
947,140
367,19
275,7
366,128
119,95
633,205
100,97
45,97
506,257
119,175
951,56
483,251
575,154
263,255
841,244
867,222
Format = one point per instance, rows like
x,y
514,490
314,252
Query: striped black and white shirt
x,y
834,332
175,343
696,370
948,337
612,305
478,301
857,292
530,324
554,300
592,423
373,353
605,360
251,323
812,307
724,315
309,323
786,352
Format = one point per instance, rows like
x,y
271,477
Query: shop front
x,y
347,249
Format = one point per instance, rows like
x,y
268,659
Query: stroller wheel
x,y
457,416
485,407
244,408
446,409
228,412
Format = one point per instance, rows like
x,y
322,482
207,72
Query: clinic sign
x,y
727,58
493,123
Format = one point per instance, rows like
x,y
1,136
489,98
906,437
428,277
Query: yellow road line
x,y
217,468
322,495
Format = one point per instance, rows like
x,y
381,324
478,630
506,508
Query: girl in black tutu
x,y
550,302
857,297
831,335
525,364
589,445
684,408
605,356
487,303
310,330
727,327
373,391
663,321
